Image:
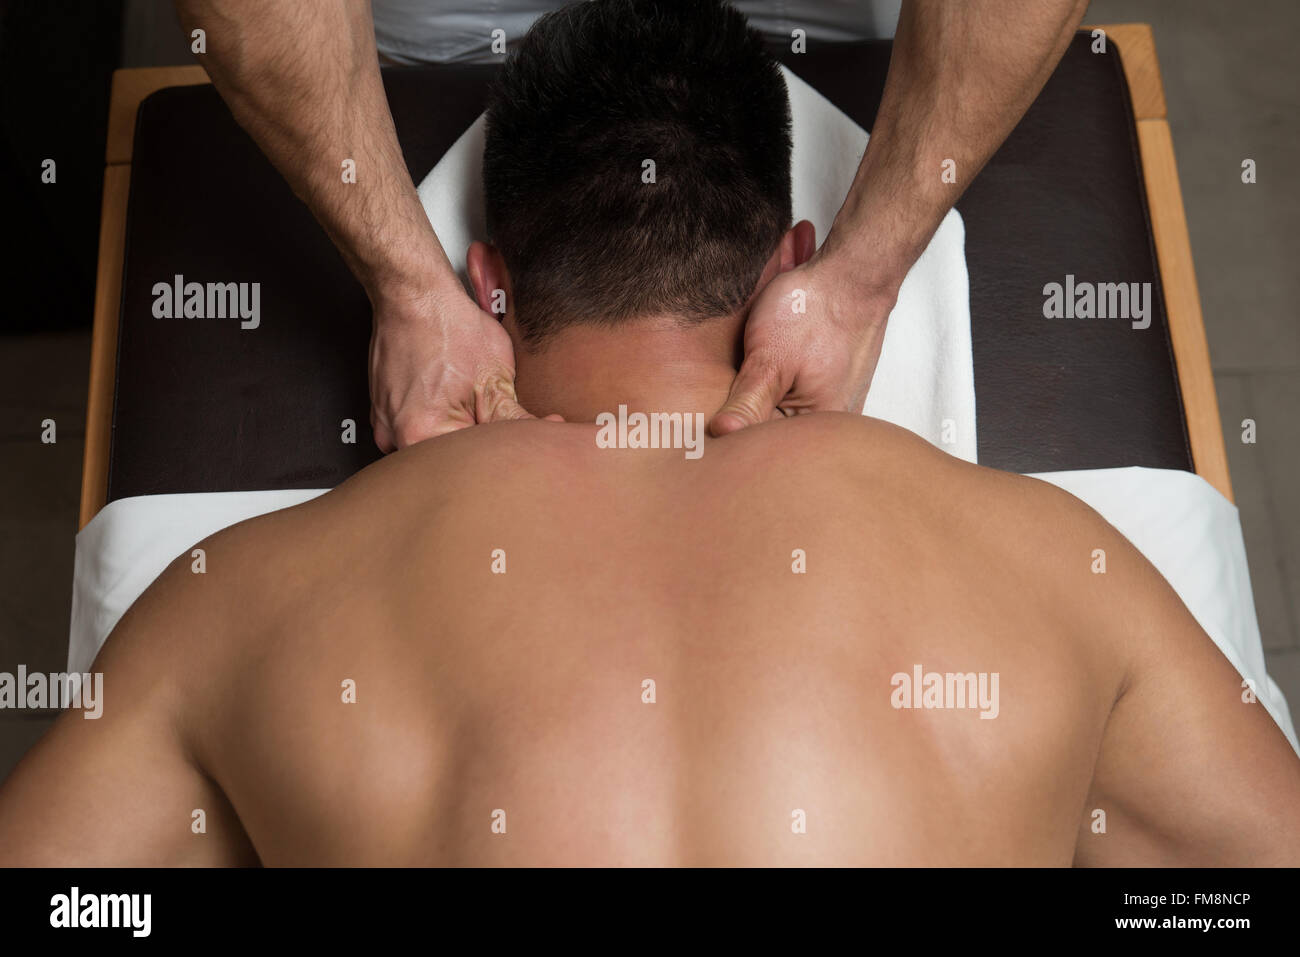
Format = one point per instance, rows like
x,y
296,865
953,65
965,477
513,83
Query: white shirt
x,y
460,31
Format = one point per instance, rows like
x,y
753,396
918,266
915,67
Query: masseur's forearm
x,y
961,76
303,79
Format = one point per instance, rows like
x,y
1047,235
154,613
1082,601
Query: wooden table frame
x,y
129,88
1164,197
1137,49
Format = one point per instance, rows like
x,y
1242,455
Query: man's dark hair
x,y
595,89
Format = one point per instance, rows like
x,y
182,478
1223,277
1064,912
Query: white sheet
x,y
1192,534
129,543
1189,531
925,374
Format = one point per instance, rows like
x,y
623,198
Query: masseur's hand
x,y
820,359
960,77
316,107
438,363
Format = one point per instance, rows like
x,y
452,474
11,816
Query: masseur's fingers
x,y
774,352
812,340
497,403
438,364
383,436
755,394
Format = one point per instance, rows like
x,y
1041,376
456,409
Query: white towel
x,y
925,381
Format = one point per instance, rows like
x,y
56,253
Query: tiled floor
x,y
41,377
1229,81
44,376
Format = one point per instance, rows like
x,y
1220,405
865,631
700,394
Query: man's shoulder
x,y
863,449
1025,526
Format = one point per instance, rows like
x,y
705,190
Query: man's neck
x,y
648,365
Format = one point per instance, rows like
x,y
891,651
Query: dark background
x,y
55,62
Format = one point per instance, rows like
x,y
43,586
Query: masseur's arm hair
x,y
961,76
1192,770
303,80
121,790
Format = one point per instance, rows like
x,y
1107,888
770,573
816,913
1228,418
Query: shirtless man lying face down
x,y
563,653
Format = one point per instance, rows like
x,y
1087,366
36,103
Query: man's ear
x,y
489,277
795,248
798,245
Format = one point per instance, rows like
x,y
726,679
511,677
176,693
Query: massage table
x,y
190,421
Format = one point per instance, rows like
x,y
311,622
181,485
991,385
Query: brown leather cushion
x,y
202,405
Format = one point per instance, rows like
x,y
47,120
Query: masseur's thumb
x,y
495,401
758,387
507,407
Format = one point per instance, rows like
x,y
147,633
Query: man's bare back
x,y
562,654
